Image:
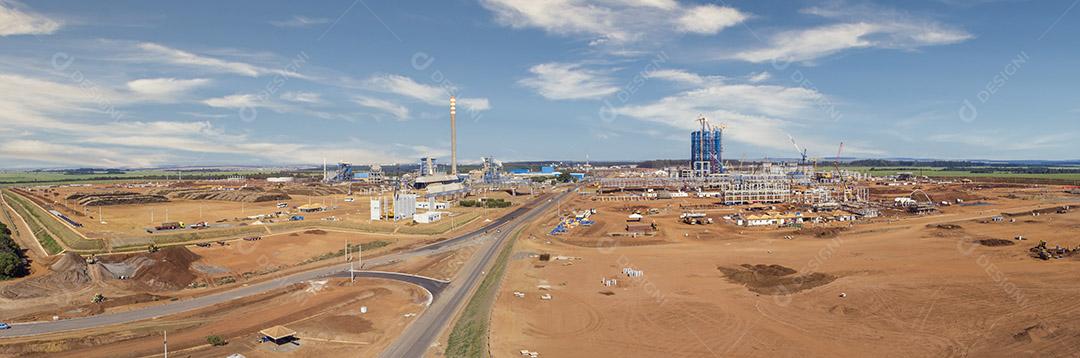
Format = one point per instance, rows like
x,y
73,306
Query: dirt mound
x,y
995,242
633,209
165,270
315,190
774,279
67,262
315,232
1035,333
69,273
821,232
245,194
945,226
115,198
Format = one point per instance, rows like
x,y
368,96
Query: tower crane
x,y
801,151
836,164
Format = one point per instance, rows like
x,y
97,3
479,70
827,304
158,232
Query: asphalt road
x,y
83,323
433,286
422,333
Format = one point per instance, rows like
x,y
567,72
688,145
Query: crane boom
x,y
801,151
836,165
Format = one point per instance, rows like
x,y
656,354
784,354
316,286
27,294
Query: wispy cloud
x,y
709,19
757,114
615,22
165,89
64,124
164,54
15,19
398,111
302,97
859,27
568,81
432,95
300,21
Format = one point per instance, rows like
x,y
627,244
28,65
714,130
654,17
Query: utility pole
x,y
165,342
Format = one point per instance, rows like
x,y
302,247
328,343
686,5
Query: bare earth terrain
x,y
951,284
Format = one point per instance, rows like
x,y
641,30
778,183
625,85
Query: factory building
x,y
706,149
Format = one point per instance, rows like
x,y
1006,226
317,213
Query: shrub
x,y
216,340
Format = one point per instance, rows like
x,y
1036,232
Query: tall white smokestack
x,y
453,136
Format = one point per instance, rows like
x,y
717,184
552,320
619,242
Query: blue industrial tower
x,y
706,149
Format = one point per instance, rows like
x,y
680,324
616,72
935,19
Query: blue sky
x,y
136,84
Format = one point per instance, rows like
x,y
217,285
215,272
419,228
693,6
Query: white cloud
x,y
568,81
397,110
684,77
15,21
613,22
557,16
407,87
165,88
759,77
163,54
302,97
65,154
755,114
709,19
235,101
860,27
433,95
68,124
300,21
475,104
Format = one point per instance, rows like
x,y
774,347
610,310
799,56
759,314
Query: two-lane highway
x,y
422,333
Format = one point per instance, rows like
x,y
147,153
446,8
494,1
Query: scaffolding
x,y
757,189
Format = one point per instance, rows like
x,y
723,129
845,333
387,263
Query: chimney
x,y
453,136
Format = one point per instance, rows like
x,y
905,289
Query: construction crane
x,y
801,151
836,164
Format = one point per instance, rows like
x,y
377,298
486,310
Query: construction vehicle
x,y
170,226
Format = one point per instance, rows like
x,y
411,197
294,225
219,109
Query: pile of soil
x,y
315,232
315,190
821,232
1038,332
945,226
774,279
69,273
167,269
995,242
246,194
115,198
634,209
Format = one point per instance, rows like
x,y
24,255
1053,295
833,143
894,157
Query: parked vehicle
x,y
170,226
296,218
4,326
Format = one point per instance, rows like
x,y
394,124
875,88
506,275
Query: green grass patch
x,y
48,243
42,224
469,336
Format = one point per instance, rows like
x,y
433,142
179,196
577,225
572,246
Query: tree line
x,y
12,262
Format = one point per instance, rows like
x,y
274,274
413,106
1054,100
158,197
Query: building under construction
x,y
756,189
706,149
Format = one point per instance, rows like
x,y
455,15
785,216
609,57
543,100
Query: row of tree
x,y
12,262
